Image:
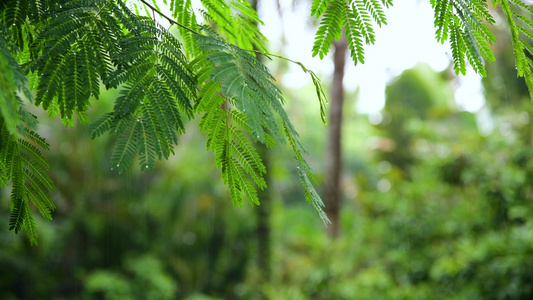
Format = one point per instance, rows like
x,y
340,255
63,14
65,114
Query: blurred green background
x,y
432,209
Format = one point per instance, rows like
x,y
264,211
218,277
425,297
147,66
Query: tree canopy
x,y
58,54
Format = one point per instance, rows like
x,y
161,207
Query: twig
x,y
168,18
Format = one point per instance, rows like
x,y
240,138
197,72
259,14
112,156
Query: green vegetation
x,y
432,209
66,49
63,50
456,225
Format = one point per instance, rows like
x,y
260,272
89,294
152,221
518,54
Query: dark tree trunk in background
x,y
263,211
333,150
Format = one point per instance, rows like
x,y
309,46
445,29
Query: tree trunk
x,y
333,150
263,211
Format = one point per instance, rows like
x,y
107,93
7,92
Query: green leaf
x,y
318,7
330,28
126,146
18,214
8,99
29,225
240,89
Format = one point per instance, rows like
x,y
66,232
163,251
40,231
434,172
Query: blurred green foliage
x,y
458,226
446,213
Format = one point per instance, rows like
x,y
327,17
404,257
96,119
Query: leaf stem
x,y
168,18
268,55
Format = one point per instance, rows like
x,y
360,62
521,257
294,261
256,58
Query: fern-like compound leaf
x,y
520,46
362,17
18,209
464,25
4,181
247,82
236,21
318,7
330,28
22,163
69,48
18,215
8,97
356,18
102,125
29,224
157,89
73,57
184,14
240,90
375,8
306,177
26,168
248,157
125,148
354,37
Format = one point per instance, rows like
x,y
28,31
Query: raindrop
x,y
111,169
298,167
142,102
117,165
16,25
327,103
257,137
146,167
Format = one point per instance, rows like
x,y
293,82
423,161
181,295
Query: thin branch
x,y
268,55
168,18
